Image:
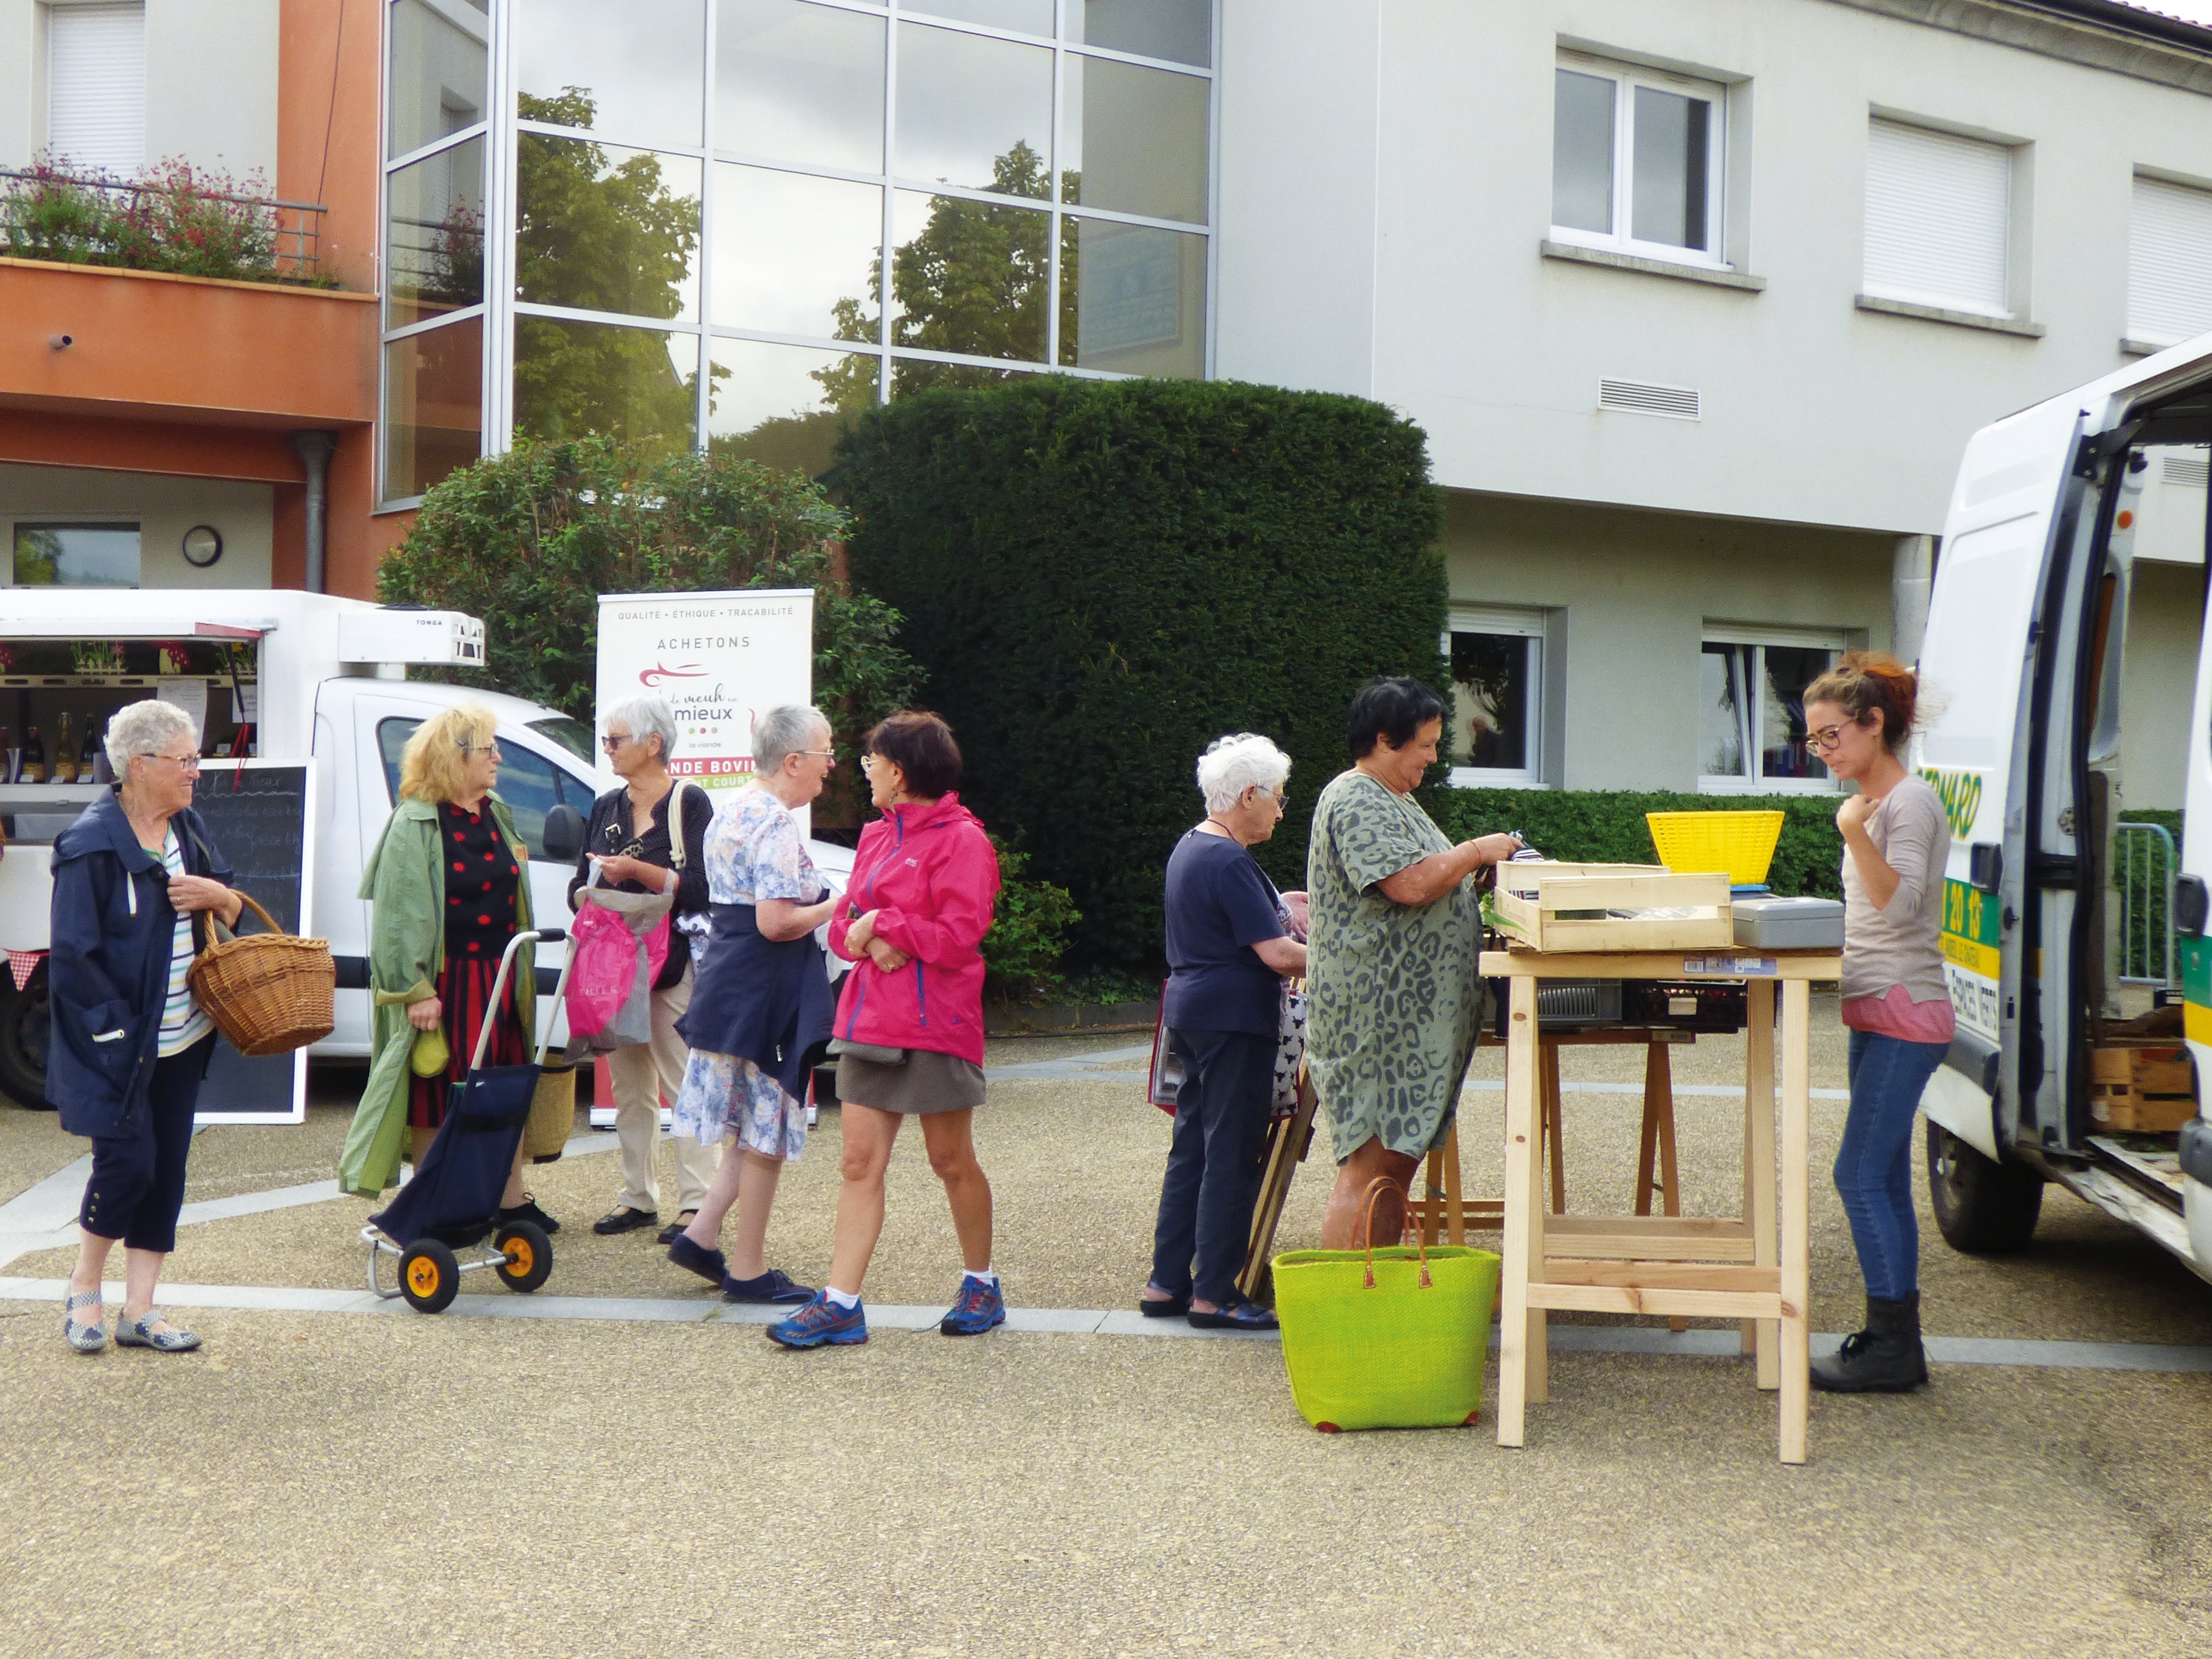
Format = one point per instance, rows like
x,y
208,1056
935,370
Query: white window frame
x,y
1626,78
1835,641
1534,626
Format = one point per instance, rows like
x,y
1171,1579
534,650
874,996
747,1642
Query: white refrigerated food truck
x,y
306,694
2024,656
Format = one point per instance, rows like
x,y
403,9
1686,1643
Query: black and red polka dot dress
x,y
482,877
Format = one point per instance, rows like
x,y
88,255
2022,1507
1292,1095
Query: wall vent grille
x,y
1679,402
2190,472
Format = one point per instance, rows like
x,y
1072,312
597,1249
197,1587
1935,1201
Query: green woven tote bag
x,y
1388,1338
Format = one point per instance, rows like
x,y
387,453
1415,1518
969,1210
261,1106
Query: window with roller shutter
x,y
2169,263
96,85
1938,219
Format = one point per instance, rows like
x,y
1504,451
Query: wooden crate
x,y
1612,906
2150,1089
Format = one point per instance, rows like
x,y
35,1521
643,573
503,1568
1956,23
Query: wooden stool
x,y
1443,1214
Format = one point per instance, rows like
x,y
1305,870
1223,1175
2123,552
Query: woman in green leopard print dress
x,y
1393,994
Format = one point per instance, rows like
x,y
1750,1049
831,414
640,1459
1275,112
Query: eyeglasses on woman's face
x,y
614,740
475,749
1827,739
188,762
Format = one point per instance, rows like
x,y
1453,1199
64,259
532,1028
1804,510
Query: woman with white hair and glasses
x,y
632,841
760,1014
1230,943
129,1045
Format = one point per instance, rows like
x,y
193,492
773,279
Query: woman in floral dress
x,y
760,1012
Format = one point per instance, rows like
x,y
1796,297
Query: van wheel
x,y
1984,1208
25,1029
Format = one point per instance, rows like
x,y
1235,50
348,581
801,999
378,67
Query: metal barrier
x,y
47,213
2143,869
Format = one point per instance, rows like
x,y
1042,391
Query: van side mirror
x,y
2190,904
564,834
1985,866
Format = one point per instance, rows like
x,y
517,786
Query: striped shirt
x,y
183,1022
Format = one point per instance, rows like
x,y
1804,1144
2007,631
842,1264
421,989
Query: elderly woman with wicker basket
x,y
449,887
130,1045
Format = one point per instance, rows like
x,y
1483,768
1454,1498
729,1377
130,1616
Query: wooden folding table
x,y
1739,1266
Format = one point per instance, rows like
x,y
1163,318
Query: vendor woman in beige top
x,y
1896,839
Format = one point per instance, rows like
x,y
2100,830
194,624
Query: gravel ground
x,y
339,1486
321,1484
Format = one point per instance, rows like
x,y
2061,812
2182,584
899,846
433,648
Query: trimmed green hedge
x,y
1607,826
1099,578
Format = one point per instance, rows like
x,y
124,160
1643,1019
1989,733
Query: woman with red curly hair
x,y
1896,841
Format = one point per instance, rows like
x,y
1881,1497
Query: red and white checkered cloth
x,y
20,963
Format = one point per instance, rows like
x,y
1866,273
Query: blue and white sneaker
x,y
980,1306
822,1323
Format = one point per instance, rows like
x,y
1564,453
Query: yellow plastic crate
x,y
1740,844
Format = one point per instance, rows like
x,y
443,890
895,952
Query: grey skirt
x,y
928,1082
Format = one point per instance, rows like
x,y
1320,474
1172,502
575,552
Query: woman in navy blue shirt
x,y
1229,946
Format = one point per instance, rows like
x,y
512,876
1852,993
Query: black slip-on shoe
x,y
623,1219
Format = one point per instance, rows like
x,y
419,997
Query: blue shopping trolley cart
x,y
451,1207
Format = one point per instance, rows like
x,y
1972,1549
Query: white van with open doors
x,y
2052,1077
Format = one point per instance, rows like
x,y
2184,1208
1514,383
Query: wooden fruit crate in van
x,y
1612,906
2150,1087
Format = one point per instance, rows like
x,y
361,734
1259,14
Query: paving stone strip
x,y
1097,1322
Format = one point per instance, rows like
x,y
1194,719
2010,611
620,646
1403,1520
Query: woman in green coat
x,y
449,881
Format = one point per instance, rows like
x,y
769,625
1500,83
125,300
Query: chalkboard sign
x,y
260,816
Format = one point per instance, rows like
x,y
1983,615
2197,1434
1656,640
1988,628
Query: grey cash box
x,y
1768,923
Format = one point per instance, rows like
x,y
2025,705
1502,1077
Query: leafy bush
x,y
172,217
529,540
1102,577
1607,826
1028,932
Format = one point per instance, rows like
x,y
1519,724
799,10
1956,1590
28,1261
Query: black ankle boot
x,y
1885,1357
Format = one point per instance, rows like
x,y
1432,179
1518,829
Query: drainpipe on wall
x,y
313,449
1911,579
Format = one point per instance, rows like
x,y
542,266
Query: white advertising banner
x,y
719,658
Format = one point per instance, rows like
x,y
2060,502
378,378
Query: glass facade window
x,y
1133,140
799,82
637,385
976,112
1180,31
433,405
1024,16
795,253
784,404
602,228
970,276
1137,300
821,204
437,81
433,235
630,71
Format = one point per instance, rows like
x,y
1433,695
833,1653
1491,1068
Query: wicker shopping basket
x,y
270,992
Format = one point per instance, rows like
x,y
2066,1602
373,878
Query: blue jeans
x,y
1212,1179
1873,1166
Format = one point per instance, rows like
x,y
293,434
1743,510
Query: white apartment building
x,y
1698,303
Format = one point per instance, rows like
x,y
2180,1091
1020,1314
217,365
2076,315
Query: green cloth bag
x,y
1388,1338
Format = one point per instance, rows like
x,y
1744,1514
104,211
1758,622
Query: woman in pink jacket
x,y
909,1035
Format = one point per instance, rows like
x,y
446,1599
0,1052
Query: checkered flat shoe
x,y
85,1339
139,1333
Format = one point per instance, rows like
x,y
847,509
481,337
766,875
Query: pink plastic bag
x,y
611,963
